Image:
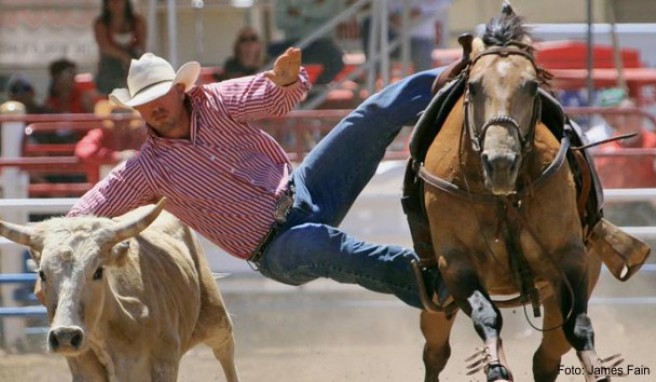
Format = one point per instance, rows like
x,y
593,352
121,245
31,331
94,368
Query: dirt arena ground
x,y
326,332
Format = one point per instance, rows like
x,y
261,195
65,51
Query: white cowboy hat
x,y
150,77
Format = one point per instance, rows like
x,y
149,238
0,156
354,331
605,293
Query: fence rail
x,y
17,278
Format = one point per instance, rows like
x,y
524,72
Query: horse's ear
x,y
465,41
477,46
507,8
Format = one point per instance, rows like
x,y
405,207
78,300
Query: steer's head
x,y
73,255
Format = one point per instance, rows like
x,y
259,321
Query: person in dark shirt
x,y
20,89
248,55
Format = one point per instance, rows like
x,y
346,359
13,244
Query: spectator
x,y
64,97
63,94
121,35
600,130
427,30
115,142
248,56
627,171
298,19
20,89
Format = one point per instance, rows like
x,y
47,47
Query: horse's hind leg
x,y
436,329
547,359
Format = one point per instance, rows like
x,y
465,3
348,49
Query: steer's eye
x,y
97,275
42,276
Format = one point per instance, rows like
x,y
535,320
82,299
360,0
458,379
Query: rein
x,y
509,49
455,190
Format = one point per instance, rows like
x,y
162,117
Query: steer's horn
x,y
132,227
17,233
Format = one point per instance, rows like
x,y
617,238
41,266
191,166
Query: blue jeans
x,y
327,183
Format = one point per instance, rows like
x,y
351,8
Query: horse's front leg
x,y
464,284
547,359
577,326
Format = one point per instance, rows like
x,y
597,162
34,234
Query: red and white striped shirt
x,y
224,181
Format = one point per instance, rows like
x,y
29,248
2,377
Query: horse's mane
x,y
507,28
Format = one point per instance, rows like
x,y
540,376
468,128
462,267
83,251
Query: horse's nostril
x,y
487,166
514,164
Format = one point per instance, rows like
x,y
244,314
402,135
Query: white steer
x,y
126,298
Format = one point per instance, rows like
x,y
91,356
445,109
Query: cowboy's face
x,y
167,114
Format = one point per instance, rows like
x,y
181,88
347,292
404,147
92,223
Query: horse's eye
x,y
97,275
472,88
532,87
42,276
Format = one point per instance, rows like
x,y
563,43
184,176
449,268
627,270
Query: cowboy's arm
x,y
270,94
123,190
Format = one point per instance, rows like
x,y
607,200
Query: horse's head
x,y
502,105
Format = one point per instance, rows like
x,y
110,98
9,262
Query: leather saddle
x,y
622,253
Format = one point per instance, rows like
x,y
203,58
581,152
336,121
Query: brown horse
x,y
502,208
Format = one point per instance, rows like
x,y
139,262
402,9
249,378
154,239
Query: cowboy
x,y
232,183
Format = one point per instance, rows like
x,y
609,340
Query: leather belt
x,y
284,204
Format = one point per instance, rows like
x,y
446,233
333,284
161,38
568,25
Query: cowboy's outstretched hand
x,y
286,68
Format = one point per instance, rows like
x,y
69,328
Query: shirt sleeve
x,y
256,97
124,189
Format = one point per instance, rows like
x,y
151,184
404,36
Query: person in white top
x,y
428,28
121,36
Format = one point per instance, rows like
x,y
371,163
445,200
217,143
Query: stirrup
x,y
448,308
622,253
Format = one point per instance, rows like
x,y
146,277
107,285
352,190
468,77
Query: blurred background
x,y
53,54
34,33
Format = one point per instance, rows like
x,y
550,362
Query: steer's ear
x,y
36,256
36,248
119,254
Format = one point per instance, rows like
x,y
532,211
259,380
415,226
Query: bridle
x,y
477,139
510,48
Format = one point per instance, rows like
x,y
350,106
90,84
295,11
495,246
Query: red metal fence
x,y
298,133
